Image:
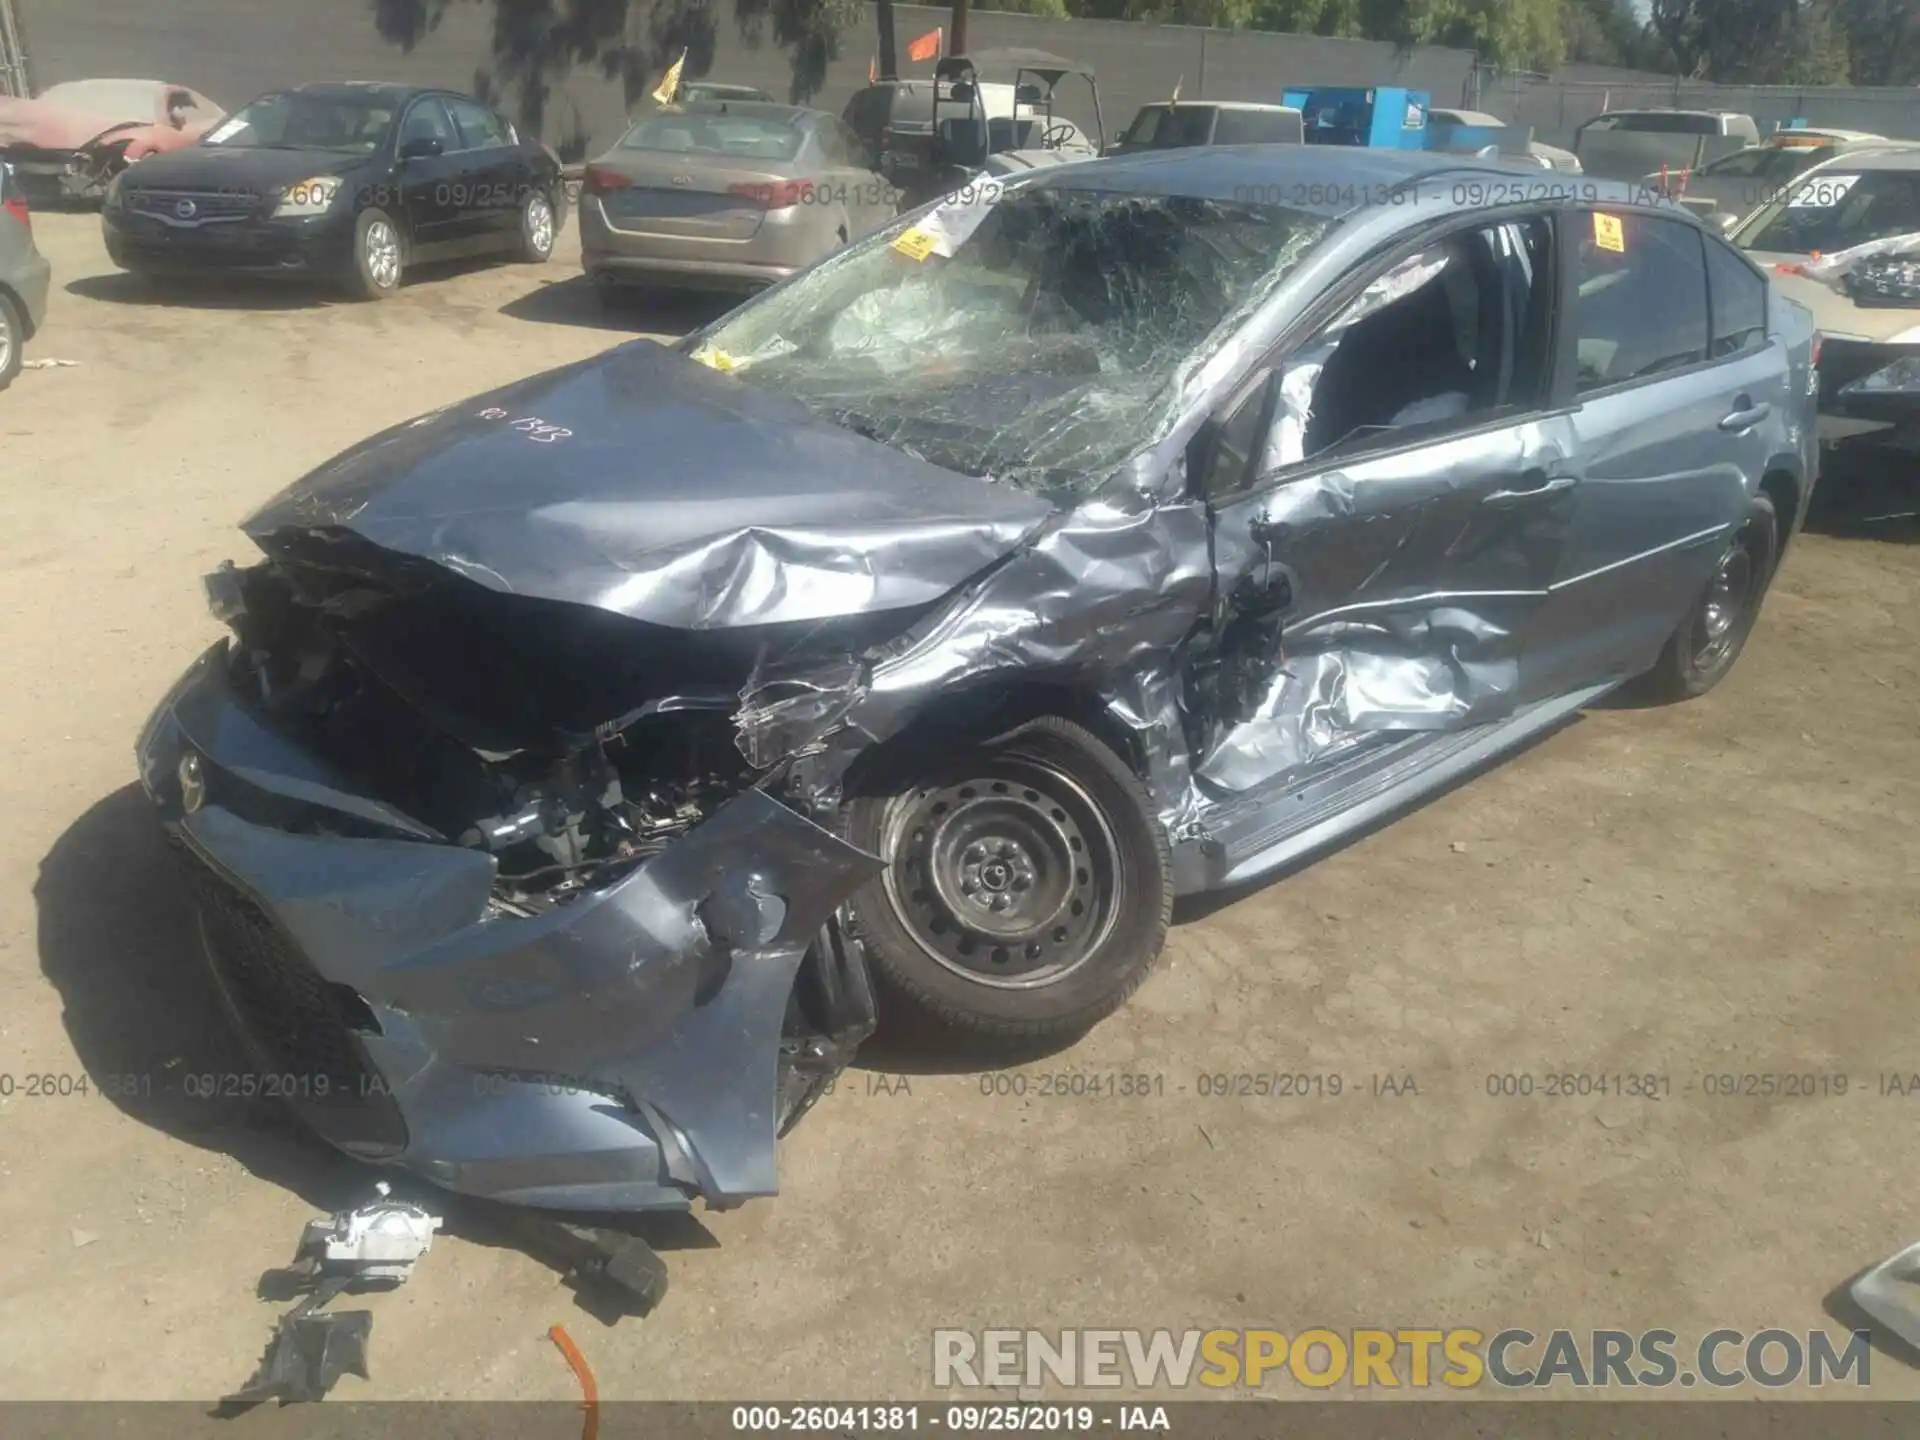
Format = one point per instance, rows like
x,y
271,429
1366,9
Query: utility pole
x,y
889,57
957,40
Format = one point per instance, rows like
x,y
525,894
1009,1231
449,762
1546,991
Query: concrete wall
x,y
233,49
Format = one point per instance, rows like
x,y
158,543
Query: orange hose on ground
x,y
590,1423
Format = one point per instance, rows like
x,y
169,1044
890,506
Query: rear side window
x,y
1738,300
1255,127
1642,305
480,128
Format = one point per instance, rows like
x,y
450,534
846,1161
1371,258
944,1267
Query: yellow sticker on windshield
x,y
916,243
1609,233
718,359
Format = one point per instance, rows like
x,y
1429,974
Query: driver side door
x,y
1389,502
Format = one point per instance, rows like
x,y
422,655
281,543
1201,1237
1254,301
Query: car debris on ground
x,y
373,1246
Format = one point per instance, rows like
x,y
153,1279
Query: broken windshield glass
x,y
1034,335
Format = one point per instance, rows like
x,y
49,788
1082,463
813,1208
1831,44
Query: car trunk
x,y
686,196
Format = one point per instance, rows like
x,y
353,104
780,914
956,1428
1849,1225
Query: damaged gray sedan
x,y
595,762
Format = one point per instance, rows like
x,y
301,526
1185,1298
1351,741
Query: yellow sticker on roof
x,y
1609,233
916,243
718,359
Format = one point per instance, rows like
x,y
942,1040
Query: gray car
x,y
597,761
726,195
24,278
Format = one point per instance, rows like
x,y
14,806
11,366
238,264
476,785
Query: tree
x,y
1755,42
536,43
1883,40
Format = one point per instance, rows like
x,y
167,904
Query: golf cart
x,y
971,140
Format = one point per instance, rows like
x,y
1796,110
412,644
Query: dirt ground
x,y
1726,887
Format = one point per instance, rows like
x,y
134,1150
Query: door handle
x,y
1543,484
1747,416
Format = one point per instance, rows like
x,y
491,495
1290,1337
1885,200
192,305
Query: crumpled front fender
x,y
620,1051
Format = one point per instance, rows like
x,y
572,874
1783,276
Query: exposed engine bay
x,y
569,743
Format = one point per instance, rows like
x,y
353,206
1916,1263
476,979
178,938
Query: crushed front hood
x,y
646,484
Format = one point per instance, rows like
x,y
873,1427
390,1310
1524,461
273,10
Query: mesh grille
x,y
293,1017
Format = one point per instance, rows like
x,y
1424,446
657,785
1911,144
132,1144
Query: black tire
x,y
374,278
536,245
1008,823
13,339
1715,631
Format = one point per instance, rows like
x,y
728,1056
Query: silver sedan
x,y
726,195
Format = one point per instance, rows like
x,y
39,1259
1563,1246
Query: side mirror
x,y
423,148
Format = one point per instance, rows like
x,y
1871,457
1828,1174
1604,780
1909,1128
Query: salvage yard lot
x,y
1725,888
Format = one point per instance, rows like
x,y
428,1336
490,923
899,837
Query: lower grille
x,y
295,1020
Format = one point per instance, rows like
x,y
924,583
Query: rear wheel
x,y
13,339
1710,639
1027,890
538,229
379,256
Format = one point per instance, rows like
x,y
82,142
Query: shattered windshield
x,y
1031,334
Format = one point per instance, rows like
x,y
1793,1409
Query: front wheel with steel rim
x,y
538,229
1716,628
1027,889
13,339
379,255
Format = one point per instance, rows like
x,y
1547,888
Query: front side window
x,y
427,120
1036,335
1446,339
1643,298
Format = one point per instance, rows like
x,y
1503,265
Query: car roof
x,y
364,90
1895,156
1329,180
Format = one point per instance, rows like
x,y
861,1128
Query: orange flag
x,y
927,47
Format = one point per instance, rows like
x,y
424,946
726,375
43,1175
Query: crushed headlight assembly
x,y
1901,377
314,196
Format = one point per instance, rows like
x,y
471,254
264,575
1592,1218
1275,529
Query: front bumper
x,y
617,1053
318,248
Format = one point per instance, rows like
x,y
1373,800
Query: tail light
x,y
598,181
1818,338
780,195
16,206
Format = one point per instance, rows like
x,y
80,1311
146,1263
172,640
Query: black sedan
x,y
345,182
